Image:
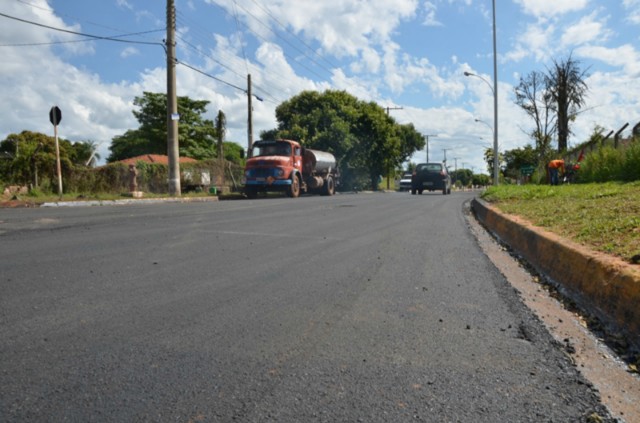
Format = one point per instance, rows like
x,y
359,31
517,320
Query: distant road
x,y
365,307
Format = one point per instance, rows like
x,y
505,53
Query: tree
x,y
567,88
488,158
32,156
196,135
533,96
517,158
365,141
463,177
84,153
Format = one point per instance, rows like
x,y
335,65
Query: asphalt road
x,y
367,307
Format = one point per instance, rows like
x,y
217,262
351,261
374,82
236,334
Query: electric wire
x,y
242,77
95,37
268,12
244,55
286,41
203,37
53,12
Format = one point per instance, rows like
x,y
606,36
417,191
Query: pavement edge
x,y
608,288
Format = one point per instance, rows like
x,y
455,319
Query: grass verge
x,y
604,217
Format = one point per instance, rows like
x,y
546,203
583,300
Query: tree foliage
x,y
30,154
517,158
197,136
488,158
366,142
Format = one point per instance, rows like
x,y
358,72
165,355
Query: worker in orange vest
x,y
554,169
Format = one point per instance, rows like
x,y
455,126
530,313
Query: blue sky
x,y
408,55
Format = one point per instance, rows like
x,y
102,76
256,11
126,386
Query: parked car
x,y
405,182
430,177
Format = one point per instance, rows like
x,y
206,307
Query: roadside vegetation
x,y
602,216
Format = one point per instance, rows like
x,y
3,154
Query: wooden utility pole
x,y
172,104
249,118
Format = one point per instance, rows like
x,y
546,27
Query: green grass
x,y
604,217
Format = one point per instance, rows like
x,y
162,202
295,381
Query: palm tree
x,y
568,89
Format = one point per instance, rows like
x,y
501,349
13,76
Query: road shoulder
x,y
619,389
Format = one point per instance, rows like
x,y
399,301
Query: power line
x,y
285,40
216,78
204,37
197,50
75,41
268,12
95,37
51,11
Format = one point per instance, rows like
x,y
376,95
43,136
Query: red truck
x,y
284,165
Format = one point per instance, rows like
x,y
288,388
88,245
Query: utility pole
x,y
427,137
455,167
249,118
172,104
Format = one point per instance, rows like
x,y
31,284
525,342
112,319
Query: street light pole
x,y
494,89
495,101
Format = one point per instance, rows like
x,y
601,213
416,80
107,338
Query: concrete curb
x,y
606,286
92,203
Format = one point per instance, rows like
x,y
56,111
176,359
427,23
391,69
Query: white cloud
x,y
587,29
129,51
551,8
633,10
625,57
430,18
536,41
612,101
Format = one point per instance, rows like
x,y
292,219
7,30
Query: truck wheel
x,y
294,188
413,191
329,187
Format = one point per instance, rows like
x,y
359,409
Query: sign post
x,y
55,116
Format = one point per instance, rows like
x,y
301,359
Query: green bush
x,y
631,164
603,165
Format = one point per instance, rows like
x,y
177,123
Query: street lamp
x,y
482,121
494,89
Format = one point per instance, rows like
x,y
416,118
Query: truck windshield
x,y
272,149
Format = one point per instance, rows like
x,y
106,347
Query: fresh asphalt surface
x,y
366,307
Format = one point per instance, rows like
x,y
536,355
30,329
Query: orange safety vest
x,y
556,164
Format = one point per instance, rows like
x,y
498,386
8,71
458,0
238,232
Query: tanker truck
x,y
284,165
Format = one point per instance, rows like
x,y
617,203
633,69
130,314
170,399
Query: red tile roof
x,y
155,158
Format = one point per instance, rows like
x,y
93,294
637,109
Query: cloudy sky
x,y
408,55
